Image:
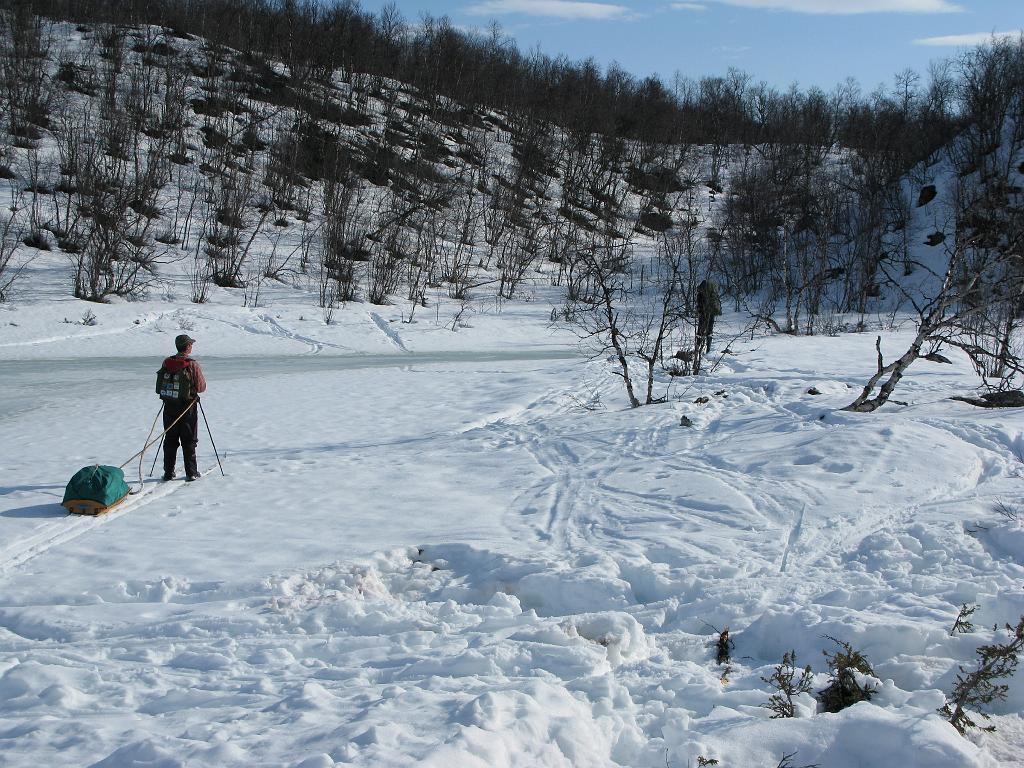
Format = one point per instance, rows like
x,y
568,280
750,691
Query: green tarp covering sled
x,y
94,490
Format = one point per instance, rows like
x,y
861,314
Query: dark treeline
x,y
315,38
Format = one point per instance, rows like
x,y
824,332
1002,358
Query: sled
x,y
95,490
89,507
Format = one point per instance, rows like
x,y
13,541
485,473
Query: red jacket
x,y
180,362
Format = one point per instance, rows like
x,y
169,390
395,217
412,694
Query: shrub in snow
x,y
787,762
789,685
963,620
723,646
846,666
10,237
36,239
927,194
979,688
1010,514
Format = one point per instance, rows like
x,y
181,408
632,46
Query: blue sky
x,y
809,42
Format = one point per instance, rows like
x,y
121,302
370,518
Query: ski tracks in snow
x,y
270,326
631,485
677,493
148,319
281,332
794,534
759,479
68,528
387,330
550,502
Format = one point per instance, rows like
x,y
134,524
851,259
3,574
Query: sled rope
x,y
142,453
158,437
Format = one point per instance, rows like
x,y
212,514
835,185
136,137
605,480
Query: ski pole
x,y
203,411
155,457
157,438
156,454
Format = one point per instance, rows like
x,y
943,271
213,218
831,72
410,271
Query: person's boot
x,y
191,463
169,461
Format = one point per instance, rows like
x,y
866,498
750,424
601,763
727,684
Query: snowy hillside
x,y
163,154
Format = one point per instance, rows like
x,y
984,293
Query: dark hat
x,y
182,340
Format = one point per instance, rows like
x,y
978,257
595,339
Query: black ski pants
x,y
185,432
705,327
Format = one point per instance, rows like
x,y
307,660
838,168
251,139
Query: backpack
x,y
175,386
708,301
715,303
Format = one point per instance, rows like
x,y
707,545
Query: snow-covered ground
x,y
460,549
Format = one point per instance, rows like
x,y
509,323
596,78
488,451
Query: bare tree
x,y
391,247
116,196
601,314
343,241
25,44
232,198
976,285
10,239
455,245
200,274
421,267
520,250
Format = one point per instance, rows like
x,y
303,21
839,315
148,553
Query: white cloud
x,y
560,9
976,38
849,7
687,7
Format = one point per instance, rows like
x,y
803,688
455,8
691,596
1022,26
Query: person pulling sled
x,y
179,383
